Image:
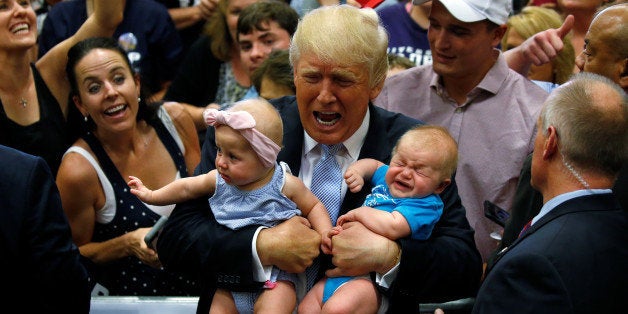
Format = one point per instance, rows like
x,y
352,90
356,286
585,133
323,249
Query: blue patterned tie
x,y
326,185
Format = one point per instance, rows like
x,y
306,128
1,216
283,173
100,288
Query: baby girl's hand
x,y
326,242
138,189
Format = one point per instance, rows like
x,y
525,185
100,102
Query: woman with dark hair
x,y
122,135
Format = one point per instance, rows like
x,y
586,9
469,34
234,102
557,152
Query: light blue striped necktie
x,y
327,180
326,185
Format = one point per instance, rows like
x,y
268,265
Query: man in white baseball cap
x,y
489,109
496,11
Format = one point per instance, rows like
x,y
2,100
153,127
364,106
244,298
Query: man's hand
x,y
545,46
539,49
358,251
291,245
139,248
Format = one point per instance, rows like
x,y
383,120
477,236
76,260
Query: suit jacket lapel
x,y
372,147
292,134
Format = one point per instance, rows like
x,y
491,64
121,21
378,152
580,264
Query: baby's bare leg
x,y
280,299
356,296
223,303
313,301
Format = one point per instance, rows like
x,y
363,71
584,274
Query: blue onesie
x,y
422,213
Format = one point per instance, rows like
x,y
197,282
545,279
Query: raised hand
x,y
207,8
539,49
544,46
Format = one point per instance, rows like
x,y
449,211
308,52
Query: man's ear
x,y
376,90
550,147
498,34
441,187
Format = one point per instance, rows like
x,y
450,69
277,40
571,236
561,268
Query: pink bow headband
x,y
244,122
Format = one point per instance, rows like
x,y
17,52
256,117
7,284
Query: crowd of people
x,y
308,165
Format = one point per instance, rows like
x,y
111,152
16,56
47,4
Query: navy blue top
x,y
129,276
405,36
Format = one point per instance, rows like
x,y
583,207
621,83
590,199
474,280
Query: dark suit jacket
x,y
39,265
573,260
446,267
528,202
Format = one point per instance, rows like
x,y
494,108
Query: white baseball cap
x,y
468,11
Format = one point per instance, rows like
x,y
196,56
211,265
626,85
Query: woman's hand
x,y
139,249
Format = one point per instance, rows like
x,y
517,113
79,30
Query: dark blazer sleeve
x,y
40,263
193,242
529,283
448,265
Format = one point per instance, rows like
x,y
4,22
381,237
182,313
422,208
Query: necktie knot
x,y
330,150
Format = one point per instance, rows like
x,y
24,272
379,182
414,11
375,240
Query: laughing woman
x,y
34,97
122,135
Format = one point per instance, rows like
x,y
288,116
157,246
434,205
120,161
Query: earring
x,y
85,118
139,99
